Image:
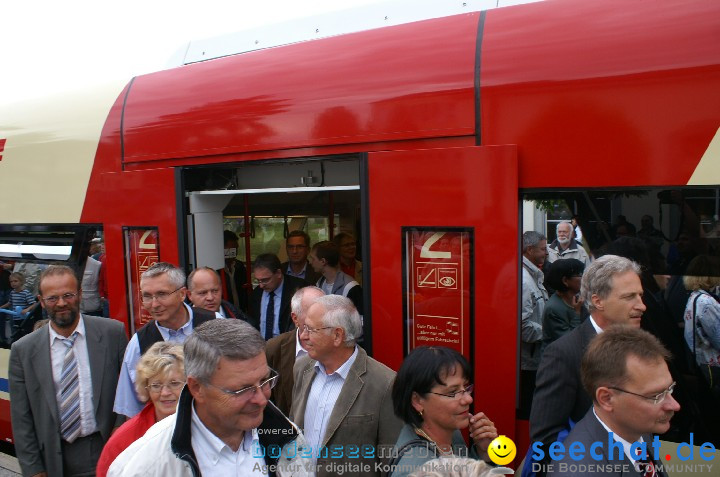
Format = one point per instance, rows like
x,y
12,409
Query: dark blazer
x,y
559,394
290,286
588,431
33,407
240,279
311,276
280,352
363,413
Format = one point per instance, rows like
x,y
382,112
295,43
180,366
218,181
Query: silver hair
x,y
341,313
175,274
598,276
557,227
215,339
297,298
532,239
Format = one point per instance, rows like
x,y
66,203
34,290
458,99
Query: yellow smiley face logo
x,y
502,450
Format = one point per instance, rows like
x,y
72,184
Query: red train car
x,y
435,142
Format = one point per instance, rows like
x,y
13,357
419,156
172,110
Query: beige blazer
x,y
363,416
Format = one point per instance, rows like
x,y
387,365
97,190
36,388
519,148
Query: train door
x,y
443,262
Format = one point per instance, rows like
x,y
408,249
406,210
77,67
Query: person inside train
x,y
204,291
234,275
564,311
325,259
297,246
160,378
432,394
349,264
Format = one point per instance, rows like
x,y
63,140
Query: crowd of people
x,y
279,384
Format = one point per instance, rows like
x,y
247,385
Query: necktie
x,y
647,467
270,316
70,393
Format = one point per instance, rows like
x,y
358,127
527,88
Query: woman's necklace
x,y
424,435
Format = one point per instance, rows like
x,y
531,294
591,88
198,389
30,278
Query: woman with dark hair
x,y
564,310
432,395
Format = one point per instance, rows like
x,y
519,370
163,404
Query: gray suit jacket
x,y
280,352
362,416
559,394
588,431
33,407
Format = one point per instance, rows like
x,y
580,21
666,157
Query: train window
x,y
673,234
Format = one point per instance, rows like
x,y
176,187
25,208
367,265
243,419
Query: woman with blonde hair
x,y
702,317
160,379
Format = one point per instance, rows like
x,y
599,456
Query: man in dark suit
x,y
611,287
234,275
625,371
270,300
62,383
283,350
342,397
297,247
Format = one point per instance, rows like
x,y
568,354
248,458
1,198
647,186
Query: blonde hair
x,y
701,273
162,358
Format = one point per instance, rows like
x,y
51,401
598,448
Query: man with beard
x,y
625,371
62,383
564,246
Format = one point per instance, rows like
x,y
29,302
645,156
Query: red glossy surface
x,y
410,81
459,187
5,427
602,92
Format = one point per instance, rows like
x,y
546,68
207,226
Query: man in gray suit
x,y
62,383
342,397
611,287
625,371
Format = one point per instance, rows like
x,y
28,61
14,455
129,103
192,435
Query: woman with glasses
x,y
564,310
432,395
160,379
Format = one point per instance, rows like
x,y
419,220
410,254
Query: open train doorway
x,y
262,203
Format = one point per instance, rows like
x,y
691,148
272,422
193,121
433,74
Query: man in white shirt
x,y
225,424
625,371
283,350
342,397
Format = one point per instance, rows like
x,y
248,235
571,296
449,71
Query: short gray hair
x,y
341,313
532,239
597,279
557,227
220,338
175,274
297,298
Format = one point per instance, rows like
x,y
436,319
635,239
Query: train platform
x,y
9,466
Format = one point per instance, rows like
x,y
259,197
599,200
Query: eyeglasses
x,y
457,394
212,291
158,387
296,247
51,300
313,330
250,391
264,281
657,399
159,296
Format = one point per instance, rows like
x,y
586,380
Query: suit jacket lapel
x,y
349,394
307,379
42,365
96,356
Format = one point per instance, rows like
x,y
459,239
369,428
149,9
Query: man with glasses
x,y
342,397
162,291
204,291
62,382
270,300
225,423
297,247
625,371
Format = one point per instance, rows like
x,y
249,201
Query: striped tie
x,y
70,393
647,466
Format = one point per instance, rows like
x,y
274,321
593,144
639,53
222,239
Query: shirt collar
x,y
598,330
343,370
626,445
277,291
80,329
299,350
185,329
214,442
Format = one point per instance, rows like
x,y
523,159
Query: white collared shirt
x,y
626,445
324,392
217,458
88,425
299,350
598,330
